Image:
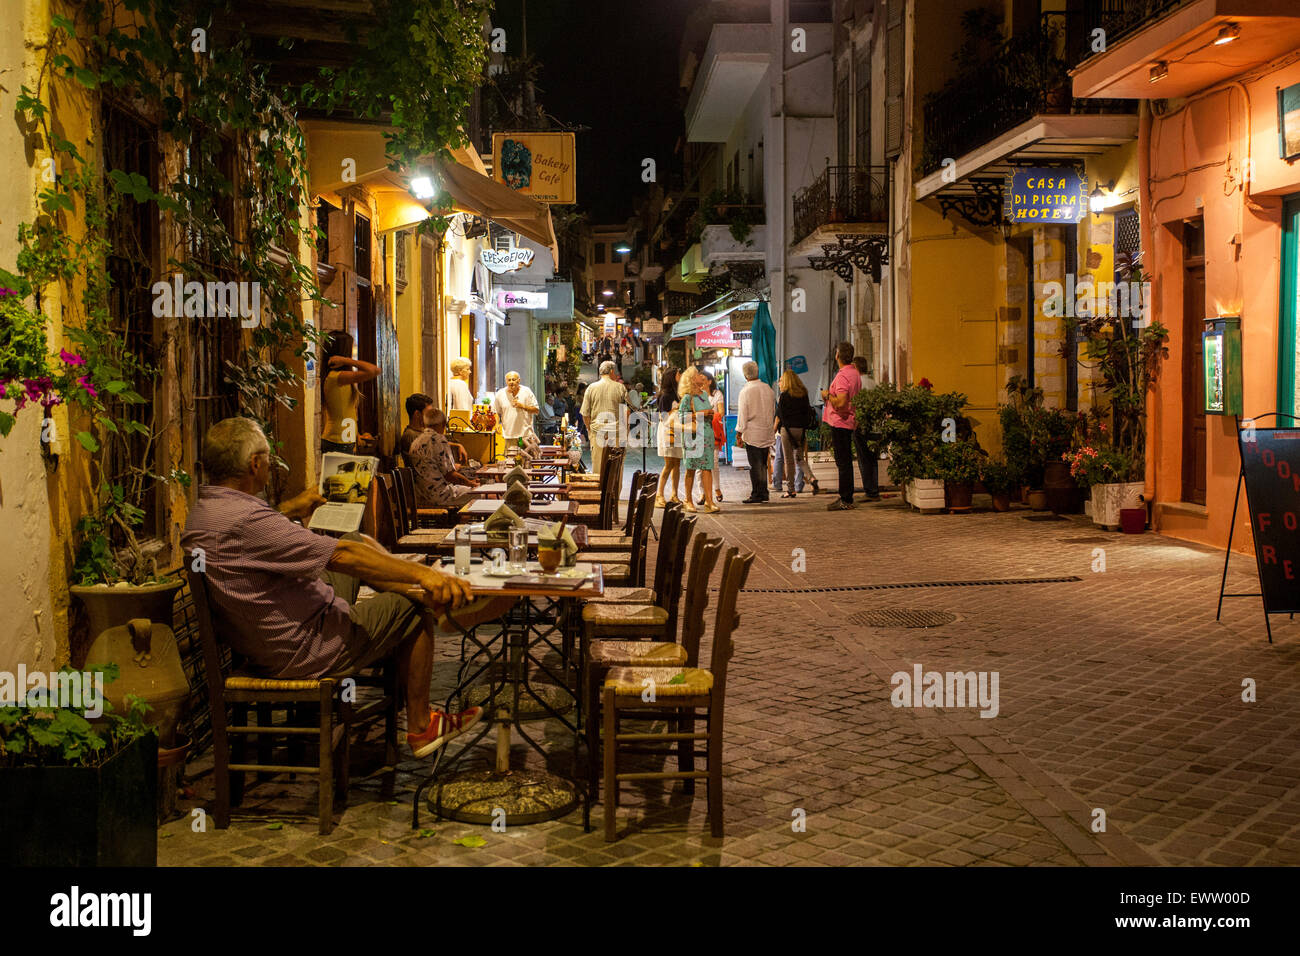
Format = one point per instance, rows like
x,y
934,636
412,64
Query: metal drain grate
x,y
913,584
902,617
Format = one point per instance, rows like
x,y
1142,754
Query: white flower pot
x,y
926,494
1109,499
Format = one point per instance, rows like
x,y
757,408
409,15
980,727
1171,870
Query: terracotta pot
x,y
1056,474
132,628
1002,501
1038,499
958,495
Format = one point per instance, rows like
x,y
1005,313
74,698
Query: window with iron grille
x,y
842,121
133,241
598,253
361,247
215,340
323,213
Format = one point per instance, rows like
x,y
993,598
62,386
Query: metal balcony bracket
x,y
984,208
866,254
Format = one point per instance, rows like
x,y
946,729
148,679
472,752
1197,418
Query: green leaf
x,y
88,441
275,826
64,24
87,78
473,841
424,834
678,679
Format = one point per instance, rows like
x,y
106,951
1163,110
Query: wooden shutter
x,y
894,74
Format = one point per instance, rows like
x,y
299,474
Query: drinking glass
x,y
518,549
462,550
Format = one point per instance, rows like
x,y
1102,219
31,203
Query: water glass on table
x,y
519,549
462,550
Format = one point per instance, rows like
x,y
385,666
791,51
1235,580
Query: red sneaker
x,y
442,728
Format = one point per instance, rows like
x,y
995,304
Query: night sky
x,y
610,65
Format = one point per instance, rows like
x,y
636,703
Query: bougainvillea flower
x,y
84,382
70,359
925,383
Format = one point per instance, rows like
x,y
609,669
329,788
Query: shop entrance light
x,y
1227,34
1159,70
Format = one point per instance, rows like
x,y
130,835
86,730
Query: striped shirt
x,y
264,585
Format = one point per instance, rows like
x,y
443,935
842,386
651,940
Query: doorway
x,y
1288,346
1024,247
1194,457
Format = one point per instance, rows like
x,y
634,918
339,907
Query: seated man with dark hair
x,y
418,408
285,598
438,481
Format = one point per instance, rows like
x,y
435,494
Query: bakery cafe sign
x,y
508,261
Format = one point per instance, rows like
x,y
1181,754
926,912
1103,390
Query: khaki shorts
x,y
380,625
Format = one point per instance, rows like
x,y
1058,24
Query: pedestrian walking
x,y
669,437
794,417
695,412
756,430
717,403
863,443
601,411
838,414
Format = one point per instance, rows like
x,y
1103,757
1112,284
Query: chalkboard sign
x,y
1270,462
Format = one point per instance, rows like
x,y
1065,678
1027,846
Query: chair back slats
x,y
667,547
406,485
385,522
612,485
633,496
401,516
735,570
675,571
645,512
211,652
704,555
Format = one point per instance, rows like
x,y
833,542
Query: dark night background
x,y
610,65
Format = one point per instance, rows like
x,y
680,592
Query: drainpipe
x,y
782,33
1146,236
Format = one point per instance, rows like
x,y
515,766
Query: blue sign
x,y
797,364
1040,194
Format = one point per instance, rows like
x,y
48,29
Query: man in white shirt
x,y
601,410
515,405
459,395
756,430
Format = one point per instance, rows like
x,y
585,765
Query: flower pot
x,y
171,764
1133,520
105,815
958,496
1056,474
1037,499
1065,501
927,494
132,627
1002,501
1109,499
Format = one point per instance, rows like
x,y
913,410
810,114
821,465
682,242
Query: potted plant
x,y
1105,471
998,480
84,790
958,465
912,422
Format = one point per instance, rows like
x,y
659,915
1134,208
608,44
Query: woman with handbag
x,y
719,431
794,414
695,412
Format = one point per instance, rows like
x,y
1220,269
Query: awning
x,y
700,322
474,193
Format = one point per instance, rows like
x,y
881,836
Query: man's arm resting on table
x,y
366,562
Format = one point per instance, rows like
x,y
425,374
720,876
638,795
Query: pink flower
x,y
70,359
84,382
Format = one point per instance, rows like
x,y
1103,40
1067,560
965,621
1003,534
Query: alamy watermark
x,y
181,299
951,689
64,690
1090,298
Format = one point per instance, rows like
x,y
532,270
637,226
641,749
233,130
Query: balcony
x,y
734,63
718,244
843,199
1181,35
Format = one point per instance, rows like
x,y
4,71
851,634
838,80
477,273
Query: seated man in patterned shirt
x,y
285,598
438,482
418,407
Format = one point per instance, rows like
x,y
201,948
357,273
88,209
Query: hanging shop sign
x,y
717,337
797,364
652,327
540,166
1221,360
1045,194
507,299
502,262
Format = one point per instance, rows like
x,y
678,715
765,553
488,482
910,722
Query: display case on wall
x,y
1221,362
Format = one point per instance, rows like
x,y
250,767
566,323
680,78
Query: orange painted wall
x,y
1198,152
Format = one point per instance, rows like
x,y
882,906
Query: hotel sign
x,y
541,166
501,262
507,299
1045,194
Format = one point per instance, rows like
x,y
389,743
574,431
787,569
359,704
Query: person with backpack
x,y
794,416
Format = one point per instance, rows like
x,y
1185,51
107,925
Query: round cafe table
x,y
508,663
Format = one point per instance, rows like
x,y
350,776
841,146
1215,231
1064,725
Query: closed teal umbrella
x,y
764,335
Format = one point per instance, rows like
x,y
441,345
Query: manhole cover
x,y
902,617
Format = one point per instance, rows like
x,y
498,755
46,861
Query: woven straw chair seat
x,y
248,682
627,596
631,653
627,681
616,614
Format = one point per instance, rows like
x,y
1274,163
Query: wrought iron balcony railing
x,y
842,194
1118,19
1027,75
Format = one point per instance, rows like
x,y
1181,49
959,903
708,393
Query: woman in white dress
x,y
669,437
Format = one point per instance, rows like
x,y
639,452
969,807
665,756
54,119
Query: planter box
x,y
83,816
1109,499
926,495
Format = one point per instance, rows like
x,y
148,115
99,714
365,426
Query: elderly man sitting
x,y
438,481
286,597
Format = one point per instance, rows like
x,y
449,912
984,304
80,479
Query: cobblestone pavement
x,y
1118,692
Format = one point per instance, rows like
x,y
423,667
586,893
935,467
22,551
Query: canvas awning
x,y
698,323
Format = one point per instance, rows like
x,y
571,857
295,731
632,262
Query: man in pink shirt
x,y
838,413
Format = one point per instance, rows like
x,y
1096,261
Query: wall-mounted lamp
x,y
422,186
1228,33
1097,198
1159,70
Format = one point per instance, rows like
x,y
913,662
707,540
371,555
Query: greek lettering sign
x,y
507,299
1045,194
501,262
716,337
540,166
